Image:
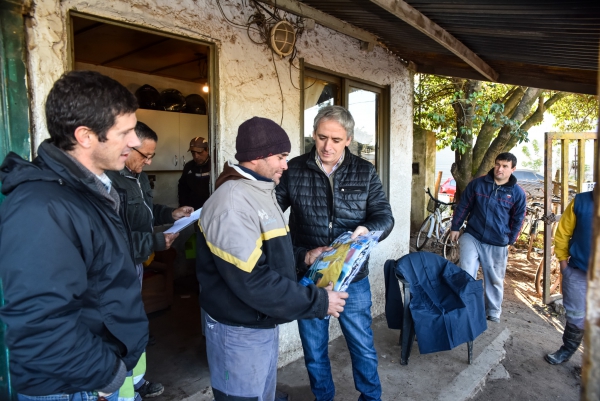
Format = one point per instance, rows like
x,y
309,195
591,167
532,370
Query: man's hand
x,y
360,230
454,235
563,265
183,211
313,254
336,300
169,238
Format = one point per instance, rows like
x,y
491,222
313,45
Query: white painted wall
x,y
248,86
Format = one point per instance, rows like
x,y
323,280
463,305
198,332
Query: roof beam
x,y
321,18
417,20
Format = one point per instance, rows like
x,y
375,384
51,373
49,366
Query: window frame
x,y
344,82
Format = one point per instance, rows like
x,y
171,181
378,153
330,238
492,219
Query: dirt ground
x,y
536,330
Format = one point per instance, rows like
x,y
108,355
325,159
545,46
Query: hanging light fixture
x,y
283,38
205,88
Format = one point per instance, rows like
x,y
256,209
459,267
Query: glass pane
x,y
317,94
363,105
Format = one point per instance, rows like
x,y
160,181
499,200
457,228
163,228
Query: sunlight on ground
x,y
531,302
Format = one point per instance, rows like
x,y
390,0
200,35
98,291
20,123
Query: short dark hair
x,y
507,156
144,132
85,98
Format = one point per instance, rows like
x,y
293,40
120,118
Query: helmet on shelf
x,y
195,104
171,100
147,97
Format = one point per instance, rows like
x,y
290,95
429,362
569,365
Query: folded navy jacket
x,y
446,303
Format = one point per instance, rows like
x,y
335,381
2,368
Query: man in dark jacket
x,y
194,185
573,245
246,268
331,191
142,216
73,311
494,206
142,213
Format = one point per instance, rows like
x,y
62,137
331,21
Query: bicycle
x,y
451,250
434,225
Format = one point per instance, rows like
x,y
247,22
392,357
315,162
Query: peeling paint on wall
x,y
248,86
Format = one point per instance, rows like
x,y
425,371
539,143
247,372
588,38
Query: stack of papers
x,y
342,263
184,222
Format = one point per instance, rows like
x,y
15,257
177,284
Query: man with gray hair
x,y
331,191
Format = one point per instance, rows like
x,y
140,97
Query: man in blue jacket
x,y
495,207
75,322
573,243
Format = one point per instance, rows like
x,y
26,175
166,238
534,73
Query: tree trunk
x,y
462,167
489,128
505,134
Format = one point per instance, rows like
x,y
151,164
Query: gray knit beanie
x,y
258,138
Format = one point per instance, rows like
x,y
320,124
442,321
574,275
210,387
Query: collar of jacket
x,y
312,163
75,173
128,173
512,181
232,171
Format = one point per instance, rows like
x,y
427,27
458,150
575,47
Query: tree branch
x,y
489,128
513,101
497,146
535,118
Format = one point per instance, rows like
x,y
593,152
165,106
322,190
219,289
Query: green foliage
x,y
576,113
534,161
435,99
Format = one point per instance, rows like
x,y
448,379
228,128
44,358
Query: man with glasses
x,y
142,216
194,184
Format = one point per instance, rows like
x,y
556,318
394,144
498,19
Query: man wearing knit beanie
x,y
246,267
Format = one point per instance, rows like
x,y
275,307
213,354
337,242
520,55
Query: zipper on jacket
x,y
137,180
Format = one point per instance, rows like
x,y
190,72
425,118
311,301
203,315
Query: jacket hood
x,y
231,172
51,164
16,170
512,180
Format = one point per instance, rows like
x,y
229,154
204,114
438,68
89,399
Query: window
x,y
368,103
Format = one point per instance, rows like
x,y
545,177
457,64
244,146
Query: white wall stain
x,y
248,87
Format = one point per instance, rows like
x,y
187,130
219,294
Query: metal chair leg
x,y
470,351
407,336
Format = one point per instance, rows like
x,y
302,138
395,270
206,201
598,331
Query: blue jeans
x,y
574,289
82,396
355,322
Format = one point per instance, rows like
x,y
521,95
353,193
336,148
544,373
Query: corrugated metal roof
x,y
546,44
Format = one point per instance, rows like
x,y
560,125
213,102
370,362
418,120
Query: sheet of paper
x,y
184,222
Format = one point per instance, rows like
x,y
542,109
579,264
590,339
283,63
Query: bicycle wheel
x,y
555,276
423,231
452,249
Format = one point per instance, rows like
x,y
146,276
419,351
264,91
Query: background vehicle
x,y
531,181
448,187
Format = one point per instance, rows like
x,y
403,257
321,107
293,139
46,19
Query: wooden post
x,y
590,375
438,180
580,165
564,181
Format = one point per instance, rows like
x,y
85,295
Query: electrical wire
x,y
227,19
279,82
261,24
